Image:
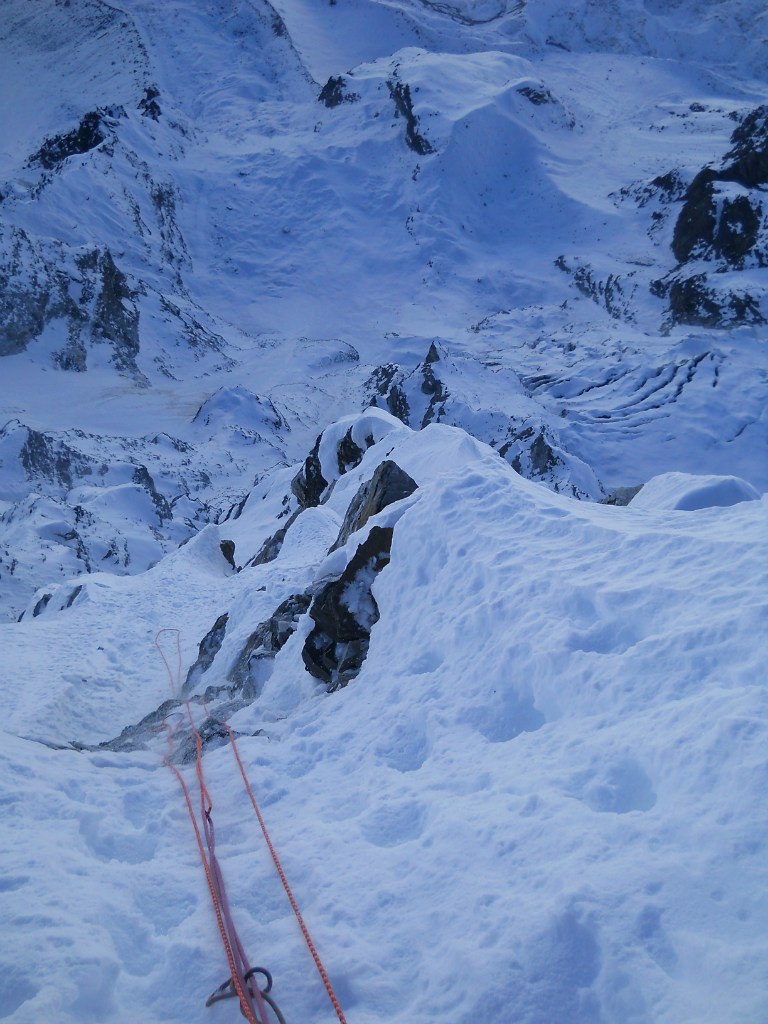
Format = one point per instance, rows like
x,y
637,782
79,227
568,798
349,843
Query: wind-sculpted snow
x,y
549,758
685,493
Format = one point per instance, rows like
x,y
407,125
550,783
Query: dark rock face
x,y
244,683
309,487
148,104
693,301
749,156
536,96
344,612
388,484
533,456
401,94
143,478
543,458
349,454
134,737
93,297
89,134
228,551
254,664
41,605
270,549
614,292
711,226
279,28
43,456
33,291
116,318
401,392
309,483
438,393
209,647
335,92
723,220
734,234
385,387
397,403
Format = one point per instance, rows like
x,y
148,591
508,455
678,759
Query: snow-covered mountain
x,y
407,361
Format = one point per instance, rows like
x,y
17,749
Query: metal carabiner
x,y
227,990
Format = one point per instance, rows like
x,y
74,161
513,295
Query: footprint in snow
x,y
392,825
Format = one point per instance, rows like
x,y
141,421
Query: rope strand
x,y
233,948
232,945
281,873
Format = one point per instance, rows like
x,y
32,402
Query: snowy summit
x,y
383,516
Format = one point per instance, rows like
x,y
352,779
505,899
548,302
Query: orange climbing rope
x,y
234,973
231,943
239,967
288,891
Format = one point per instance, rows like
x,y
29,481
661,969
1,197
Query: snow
x,y
541,799
537,801
687,493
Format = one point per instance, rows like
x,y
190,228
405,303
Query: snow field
x,y
539,800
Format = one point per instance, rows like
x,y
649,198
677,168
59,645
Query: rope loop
x,y
227,990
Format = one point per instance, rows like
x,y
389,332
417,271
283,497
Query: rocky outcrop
x,y
349,453
244,683
254,663
401,94
388,484
718,224
92,297
696,300
34,290
435,391
309,484
433,387
271,547
148,104
90,133
310,488
613,291
45,457
344,611
385,388
530,454
621,496
335,92
415,398
135,737
722,226
209,647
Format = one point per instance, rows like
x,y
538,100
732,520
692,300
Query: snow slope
x,y
539,799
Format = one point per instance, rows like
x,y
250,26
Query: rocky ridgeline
x,y
328,622
436,391
333,616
